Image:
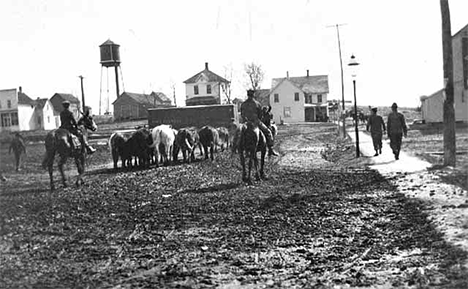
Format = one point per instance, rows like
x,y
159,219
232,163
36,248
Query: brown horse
x,y
60,141
252,140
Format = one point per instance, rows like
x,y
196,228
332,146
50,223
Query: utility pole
x,y
342,82
449,109
82,93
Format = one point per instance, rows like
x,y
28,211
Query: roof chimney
x,y
206,66
287,74
307,73
20,89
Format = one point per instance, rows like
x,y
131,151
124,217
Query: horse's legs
x,y
205,149
255,160
18,160
50,168
62,161
242,160
262,163
80,162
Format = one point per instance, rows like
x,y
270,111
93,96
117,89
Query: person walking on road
x,y
376,126
396,128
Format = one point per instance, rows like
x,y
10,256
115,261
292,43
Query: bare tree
x,y
226,87
449,112
255,75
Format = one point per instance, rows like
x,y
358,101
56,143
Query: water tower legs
x,y
117,80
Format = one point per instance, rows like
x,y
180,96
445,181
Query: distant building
x,y
204,88
58,98
16,110
263,96
299,99
432,106
131,105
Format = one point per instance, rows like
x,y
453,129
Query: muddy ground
x,y
322,219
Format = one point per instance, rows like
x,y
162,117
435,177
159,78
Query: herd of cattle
x,y
161,144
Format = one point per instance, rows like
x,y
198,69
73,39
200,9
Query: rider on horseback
x,y
251,110
68,122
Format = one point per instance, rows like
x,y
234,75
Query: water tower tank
x,y
110,55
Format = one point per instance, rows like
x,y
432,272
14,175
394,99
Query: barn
x,y
131,105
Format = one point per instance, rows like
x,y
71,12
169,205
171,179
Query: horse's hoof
x,y
257,178
244,179
65,185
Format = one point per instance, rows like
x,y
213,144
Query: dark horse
x,y
60,141
252,140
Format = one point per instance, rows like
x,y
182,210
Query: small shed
x,y
131,105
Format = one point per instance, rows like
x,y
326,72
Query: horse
x,y
252,140
140,146
117,147
60,141
19,148
209,138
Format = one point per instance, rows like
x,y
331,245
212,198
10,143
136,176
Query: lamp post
x,y
353,65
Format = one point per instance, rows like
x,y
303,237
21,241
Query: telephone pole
x,y
342,82
82,93
449,110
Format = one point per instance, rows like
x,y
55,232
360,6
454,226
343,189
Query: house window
x,y
39,120
208,89
296,96
14,118
0,104
276,96
6,120
308,98
319,98
195,89
9,103
48,119
287,112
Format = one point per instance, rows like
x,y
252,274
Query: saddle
x,y
75,142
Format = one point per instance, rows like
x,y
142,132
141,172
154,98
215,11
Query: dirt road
x,y
322,219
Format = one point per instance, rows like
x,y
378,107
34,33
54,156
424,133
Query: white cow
x,y
163,141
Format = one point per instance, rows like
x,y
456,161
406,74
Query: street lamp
x,y
353,66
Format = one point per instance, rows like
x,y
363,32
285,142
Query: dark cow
x,y
117,147
209,138
186,140
138,146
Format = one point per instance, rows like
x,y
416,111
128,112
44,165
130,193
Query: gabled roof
x,y
66,96
24,99
148,99
308,84
263,96
161,96
40,102
208,75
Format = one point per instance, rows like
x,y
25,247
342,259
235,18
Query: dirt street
x,y
322,219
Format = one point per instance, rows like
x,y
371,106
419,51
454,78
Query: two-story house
x,y
432,106
299,99
204,88
16,110
45,115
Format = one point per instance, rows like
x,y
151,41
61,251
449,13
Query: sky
x,y
47,44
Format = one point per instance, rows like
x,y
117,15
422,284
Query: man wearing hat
x,y
396,128
376,125
68,122
252,110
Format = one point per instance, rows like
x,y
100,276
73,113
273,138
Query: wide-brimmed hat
x,y
394,105
250,92
65,103
374,108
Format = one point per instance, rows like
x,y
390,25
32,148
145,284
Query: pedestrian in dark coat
x,y
376,126
396,128
18,146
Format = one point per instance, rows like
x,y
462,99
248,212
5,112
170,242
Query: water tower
x,y
110,57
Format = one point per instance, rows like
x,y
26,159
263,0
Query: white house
x,y
204,88
299,99
45,115
432,105
16,110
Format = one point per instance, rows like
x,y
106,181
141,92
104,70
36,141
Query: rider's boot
x,y
271,151
89,149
